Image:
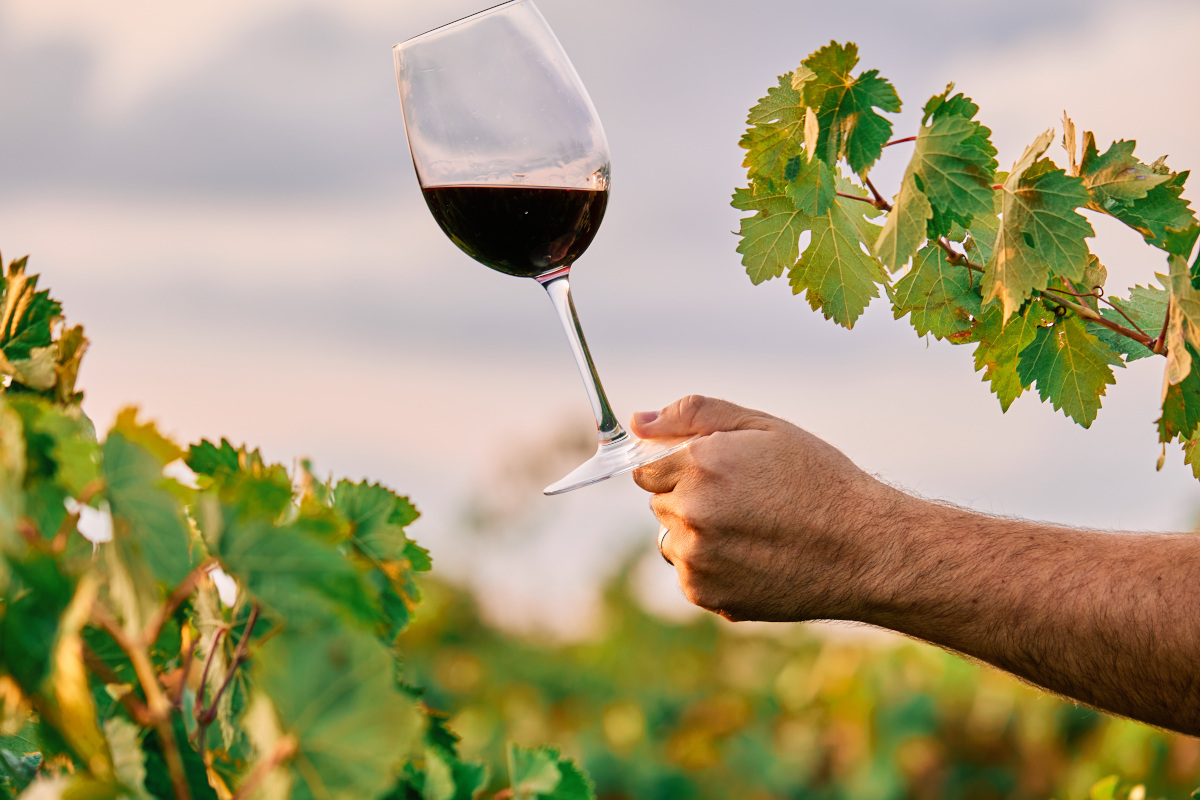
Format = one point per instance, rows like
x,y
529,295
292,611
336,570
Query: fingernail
x,y
644,417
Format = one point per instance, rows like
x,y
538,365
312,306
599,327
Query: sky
x,y
222,194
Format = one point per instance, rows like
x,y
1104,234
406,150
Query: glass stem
x,y
559,289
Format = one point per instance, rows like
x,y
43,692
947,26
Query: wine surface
x,y
520,230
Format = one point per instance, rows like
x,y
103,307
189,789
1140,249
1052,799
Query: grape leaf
x,y
333,692
1116,176
770,243
985,228
1163,217
955,161
1146,307
1070,366
1041,235
1181,404
812,189
158,780
370,509
1000,345
12,476
1186,299
148,522
296,570
1191,457
839,277
940,297
543,774
850,127
905,228
27,316
129,762
776,130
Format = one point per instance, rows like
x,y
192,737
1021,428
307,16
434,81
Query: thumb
x,y
696,415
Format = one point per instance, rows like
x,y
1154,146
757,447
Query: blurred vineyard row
x,y
707,710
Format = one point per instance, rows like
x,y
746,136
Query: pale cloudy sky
x,y
221,192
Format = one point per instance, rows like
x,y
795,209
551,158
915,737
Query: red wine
x,y
520,230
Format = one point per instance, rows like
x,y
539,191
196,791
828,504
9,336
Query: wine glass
x,y
514,165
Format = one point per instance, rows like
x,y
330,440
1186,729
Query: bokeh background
x,y
222,194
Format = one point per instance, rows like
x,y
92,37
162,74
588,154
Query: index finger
x,y
662,475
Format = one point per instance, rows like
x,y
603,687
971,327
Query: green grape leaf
x,y
770,243
1146,307
812,187
1071,368
839,277
904,231
850,127
1041,235
17,771
1191,457
1000,345
37,597
776,130
158,778
543,774
296,570
957,166
1116,176
985,228
334,694
942,298
1163,216
418,557
370,508
148,521
209,459
448,778
763,196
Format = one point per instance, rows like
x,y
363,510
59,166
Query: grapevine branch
x,y
157,704
955,257
205,715
182,592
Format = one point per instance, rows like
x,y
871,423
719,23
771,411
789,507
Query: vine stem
x,y
206,715
1160,343
900,141
956,257
182,592
1086,313
157,703
880,203
284,749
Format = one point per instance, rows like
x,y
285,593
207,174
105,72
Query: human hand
x,y
766,520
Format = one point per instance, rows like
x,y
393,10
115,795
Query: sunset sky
x,y
221,193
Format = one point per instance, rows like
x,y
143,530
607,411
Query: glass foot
x,y
616,458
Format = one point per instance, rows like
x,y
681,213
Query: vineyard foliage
x,y
126,671
968,253
707,710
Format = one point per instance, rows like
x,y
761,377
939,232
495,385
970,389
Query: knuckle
x,y
691,406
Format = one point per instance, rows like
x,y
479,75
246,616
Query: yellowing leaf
x,y
904,231
1041,235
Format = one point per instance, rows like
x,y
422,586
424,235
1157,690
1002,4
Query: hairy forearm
x,y
1107,619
